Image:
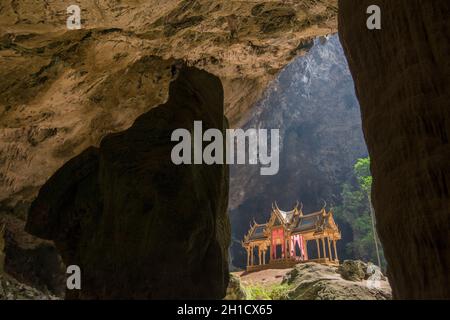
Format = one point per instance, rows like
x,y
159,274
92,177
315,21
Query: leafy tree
x,y
356,211
363,175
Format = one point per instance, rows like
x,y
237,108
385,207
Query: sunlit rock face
x,y
312,281
64,90
137,225
313,103
403,84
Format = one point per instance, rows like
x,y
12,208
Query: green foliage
x,y
363,175
355,210
273,292
256,292
280,292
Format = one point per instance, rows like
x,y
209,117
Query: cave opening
x,y
51,119
313,103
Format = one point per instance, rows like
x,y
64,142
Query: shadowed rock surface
x,y
235,290
138,225
11,289
402,77
31,260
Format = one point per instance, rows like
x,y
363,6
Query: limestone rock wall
x,y
402,77
64,90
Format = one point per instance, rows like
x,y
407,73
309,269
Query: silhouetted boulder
x,y
138,225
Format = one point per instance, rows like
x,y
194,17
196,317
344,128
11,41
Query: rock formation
x,y
311,281
29,259
136,224
2,248
354,270
402,77
235,290
11,289
314,105
64,90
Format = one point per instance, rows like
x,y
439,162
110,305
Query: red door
x,y
278,239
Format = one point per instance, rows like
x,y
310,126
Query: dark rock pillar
x,y
402,77
138,225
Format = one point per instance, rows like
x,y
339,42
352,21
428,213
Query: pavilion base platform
x,y
289,263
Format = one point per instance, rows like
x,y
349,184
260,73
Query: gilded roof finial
x,y
296,208
324,206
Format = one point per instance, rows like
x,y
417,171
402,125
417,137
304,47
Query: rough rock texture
x,y
402,77
2,248
235,291
353,270
31,260
11,289
136,224
64,90
311,281
314,105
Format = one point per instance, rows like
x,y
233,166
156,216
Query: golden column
x,y
323,248
318,248
305,244
329,248
335,251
